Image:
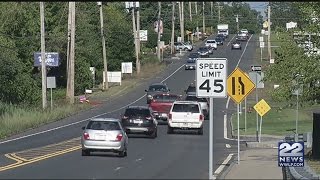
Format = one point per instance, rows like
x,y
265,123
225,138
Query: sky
x,y
259,6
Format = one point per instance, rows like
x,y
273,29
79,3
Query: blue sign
x,y
291,154
52,59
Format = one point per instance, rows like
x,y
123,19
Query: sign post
x,y
262,107
51,83
211,81
256,76
239,87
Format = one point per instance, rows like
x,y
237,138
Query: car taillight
x,y
119,137
86,136
170,116
201,118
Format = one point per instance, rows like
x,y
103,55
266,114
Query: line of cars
x,y
163,107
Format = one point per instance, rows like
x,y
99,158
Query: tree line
x,y
20,39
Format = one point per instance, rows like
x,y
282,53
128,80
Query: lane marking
x,y
245,48
222,166
22,163
118,168
138,159
231,40
78,122
228,146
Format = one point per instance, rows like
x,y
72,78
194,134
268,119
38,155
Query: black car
x,y
222,37
191,61
139,120
191,88
156,88
219,40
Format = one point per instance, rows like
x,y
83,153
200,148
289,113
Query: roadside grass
x,y
281,117
314,165
14,119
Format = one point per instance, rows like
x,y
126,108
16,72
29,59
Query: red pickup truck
x,y
161,105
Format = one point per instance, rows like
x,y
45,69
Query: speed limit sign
x,y
211,77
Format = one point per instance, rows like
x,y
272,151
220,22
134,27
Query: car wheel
x,y
170,130
123,153
154,134
200,131
186,49
85,153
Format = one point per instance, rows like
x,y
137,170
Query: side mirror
x,y
146,90
83,128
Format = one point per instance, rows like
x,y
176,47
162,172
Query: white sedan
x,y
236,45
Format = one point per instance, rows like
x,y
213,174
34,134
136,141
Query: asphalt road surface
x,y
182,155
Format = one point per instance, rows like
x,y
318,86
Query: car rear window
x,y
165,98
193,108
157,88
211,41
195,98
137,112
103,125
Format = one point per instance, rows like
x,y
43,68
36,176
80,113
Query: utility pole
x,y
43,58
70,68
203,19
237,21
269,30
159,35
182,19
219,12
172,31
104,53
196,7
190,10
138,42
211,12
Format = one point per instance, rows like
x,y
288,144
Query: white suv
x,y
211,43
185,115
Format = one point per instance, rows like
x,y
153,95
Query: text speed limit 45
x,y
211,77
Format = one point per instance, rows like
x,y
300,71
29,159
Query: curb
x,y
227,170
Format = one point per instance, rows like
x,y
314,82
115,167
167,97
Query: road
x,y
182,155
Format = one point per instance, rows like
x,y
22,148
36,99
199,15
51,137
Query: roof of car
x,y
158,84
137,107
165,94
104,119
185,102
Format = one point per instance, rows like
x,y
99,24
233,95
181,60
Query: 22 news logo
x,y
291,154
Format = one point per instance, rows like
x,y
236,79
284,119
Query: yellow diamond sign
x,y
262,107
239,85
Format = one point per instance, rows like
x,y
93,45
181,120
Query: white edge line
x,y
67,125
231,40
228,100
244,50
221,167
225,130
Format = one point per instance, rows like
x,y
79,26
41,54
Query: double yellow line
x,y
22,161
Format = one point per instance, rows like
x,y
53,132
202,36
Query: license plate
x,y
137,121
99,137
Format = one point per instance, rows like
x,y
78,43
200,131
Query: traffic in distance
x,y
176,111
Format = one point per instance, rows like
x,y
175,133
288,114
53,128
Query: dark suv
x,y
139,120
156,88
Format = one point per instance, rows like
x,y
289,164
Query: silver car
x,y
204,103
106,135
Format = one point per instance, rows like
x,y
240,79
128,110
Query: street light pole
x,y
298,76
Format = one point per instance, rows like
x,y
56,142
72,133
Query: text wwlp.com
x,y
291,164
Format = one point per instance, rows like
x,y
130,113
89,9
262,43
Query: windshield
x,y
194,55
137,112
211,41
203,49
103,125
157,88
165,98
193,108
